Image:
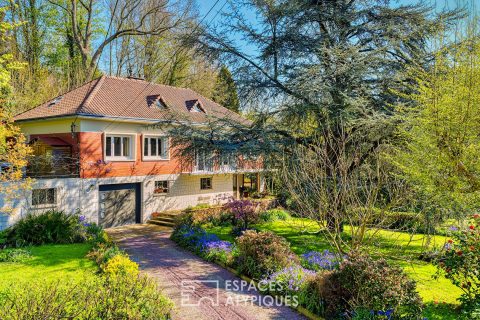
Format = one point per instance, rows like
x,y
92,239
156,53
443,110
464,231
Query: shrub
x,y
103,297
325,260
291,280
262,253
213,215
364,283
192,237
14,255
120,265
104,252
274,215
48,227
244,213
460,263
220,251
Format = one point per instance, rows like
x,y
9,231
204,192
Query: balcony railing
x,y
43,166
218,166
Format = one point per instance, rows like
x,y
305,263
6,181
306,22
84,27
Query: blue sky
x,y
205,5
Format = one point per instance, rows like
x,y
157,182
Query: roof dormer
x,y
157,101
195,106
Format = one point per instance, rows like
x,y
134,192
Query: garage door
x,y
119,204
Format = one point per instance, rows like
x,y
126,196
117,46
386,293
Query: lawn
x,y
399,248
50,263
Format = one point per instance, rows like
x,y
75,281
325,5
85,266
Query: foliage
x,y
439,153
274,214
103,252
122,297
203,215
48,227
13,148
223,252
364,283
261,253
204,244
291,280
225,90
460,263
244,213
14,255
120,265
317,261
192,237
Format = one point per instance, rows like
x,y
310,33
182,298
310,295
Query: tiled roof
x,y
130,98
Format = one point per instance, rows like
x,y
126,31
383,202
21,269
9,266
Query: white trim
x,y
133,146
165,144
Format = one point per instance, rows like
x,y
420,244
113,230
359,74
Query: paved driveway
x,y
175,268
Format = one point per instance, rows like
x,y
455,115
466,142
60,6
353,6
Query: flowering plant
x,y
289,280
220,251
460,262
325,260
244,213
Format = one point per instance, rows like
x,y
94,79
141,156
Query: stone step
x,y
171,214
161,223
164,218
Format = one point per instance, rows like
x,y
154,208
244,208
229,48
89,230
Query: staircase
x,y
166,219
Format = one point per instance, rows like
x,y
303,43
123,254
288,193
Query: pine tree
x,y
225,91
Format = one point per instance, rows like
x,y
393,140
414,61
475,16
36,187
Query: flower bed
x,y
316,280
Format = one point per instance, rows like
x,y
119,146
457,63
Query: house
x,y
104,149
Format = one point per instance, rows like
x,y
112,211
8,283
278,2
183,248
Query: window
x,y
119,147
205,183
160,104
155,148
42,197
161,186
203,161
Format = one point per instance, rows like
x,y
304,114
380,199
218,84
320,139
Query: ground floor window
x,y
205,183
44,197
161,186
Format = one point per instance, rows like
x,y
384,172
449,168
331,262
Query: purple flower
x,y
325,260
453,228
218,246
289,279
81,218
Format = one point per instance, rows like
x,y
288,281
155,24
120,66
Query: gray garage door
x,y
119,204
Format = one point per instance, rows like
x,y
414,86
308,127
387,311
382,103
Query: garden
x,y
396,275
55,265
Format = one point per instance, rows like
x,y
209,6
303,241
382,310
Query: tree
x,y
441,146
317,71
13,149
135,18
225,92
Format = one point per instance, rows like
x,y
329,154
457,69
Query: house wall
x,y
82,194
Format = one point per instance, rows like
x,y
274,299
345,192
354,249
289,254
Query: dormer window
x,y
195,106
160,103
55,101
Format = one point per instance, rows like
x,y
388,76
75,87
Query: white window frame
x,y
132,147
161,193
165,144
45,205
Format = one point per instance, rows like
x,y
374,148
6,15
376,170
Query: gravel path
x,y
193,283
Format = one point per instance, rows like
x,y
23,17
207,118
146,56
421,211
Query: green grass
x,y
50,263
399,248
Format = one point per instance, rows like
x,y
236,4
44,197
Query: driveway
x,y
193,283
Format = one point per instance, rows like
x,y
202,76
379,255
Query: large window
x,y
44,197
155,148
119,147
205,183
161,186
